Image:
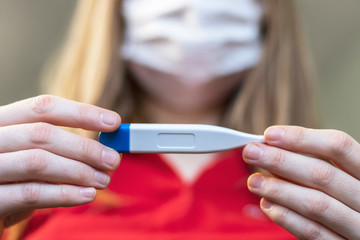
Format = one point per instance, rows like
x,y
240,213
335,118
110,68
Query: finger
x,y
305,170
40,165
310,203
58,141
298,225
337,146
59,111
21,197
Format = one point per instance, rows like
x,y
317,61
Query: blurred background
x,y
30,32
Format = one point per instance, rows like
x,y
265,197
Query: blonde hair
x,y
278,90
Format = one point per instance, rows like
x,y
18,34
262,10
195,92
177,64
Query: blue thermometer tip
x,y
118,140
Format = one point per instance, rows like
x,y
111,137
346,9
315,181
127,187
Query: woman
x,y
172,196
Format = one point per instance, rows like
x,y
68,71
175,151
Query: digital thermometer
x,y
175,138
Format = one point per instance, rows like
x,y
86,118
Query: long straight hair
x,y
89,69
278,90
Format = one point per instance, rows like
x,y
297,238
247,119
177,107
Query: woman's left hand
x,y
309,197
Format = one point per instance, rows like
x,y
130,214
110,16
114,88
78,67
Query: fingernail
x,y
108,118
256,181
88,192
274,133
265,204
110,157
102,178
252,152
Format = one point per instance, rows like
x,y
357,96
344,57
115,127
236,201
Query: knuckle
x,y
311,232
64,194
82,174
87,148
271,191
36,161
280,215
40,133
278,160
340,143
271,188
317,205
298,135
31,193
83,113
43,104
323,174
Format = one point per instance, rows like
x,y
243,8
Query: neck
x,y
156,112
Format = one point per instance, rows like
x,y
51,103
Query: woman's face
x,y
191,54
167,90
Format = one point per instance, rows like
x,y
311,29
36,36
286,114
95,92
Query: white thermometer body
x,y
175,138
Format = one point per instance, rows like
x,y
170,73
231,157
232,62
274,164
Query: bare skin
x,y
309,197
44,166
306,195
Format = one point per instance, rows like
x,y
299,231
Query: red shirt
x,y
155,204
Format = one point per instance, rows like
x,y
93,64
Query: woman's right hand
x,y
44,166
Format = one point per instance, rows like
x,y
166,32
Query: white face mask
x,y
195,41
